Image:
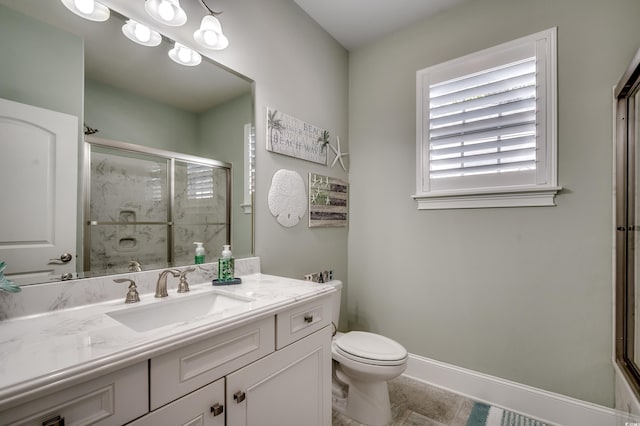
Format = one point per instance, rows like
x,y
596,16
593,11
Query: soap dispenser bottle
x,y
199,259
226,265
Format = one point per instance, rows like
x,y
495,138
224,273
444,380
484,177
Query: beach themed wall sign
x,y
328,201
289,136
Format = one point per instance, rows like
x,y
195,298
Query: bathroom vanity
x,y
258,353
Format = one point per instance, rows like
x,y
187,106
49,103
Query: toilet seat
x,y
370,348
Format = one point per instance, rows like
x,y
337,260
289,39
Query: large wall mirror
x,y
128,94
628,224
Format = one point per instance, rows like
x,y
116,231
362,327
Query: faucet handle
x,y
134,266
132,294
183,285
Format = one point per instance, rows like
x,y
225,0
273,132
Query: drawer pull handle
x,y
308,318
217,409
54,421
239,396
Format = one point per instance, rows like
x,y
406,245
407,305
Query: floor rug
x,y
487,415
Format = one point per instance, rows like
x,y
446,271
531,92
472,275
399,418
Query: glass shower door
x,y
129,210
201,210
149,206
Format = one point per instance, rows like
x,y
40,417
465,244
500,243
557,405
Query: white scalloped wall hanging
x,y
287,197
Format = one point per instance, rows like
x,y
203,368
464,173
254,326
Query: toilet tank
x,y
335,300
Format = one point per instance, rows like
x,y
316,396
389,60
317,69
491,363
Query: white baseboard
x,y
549,407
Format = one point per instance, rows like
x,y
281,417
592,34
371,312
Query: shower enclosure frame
x,y
171,158
627,201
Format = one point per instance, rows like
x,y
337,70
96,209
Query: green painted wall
x,y
32,71
222,137
519,293
124,116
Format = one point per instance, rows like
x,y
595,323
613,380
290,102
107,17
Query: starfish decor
x,y
339,154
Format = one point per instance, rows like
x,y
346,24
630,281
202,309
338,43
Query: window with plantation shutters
x,y
486,132
199,181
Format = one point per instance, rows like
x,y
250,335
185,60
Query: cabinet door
x,y
290,387
204,407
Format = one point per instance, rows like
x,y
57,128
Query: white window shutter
x,y
483,124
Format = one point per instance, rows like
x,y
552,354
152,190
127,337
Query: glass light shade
x,y
141,34
182,55
167,12
88,9
210,34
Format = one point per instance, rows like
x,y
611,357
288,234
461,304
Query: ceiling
x,y
354,23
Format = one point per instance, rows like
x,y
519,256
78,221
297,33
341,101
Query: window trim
x,y
534,195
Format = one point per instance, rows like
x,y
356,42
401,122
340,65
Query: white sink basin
x,y
174,310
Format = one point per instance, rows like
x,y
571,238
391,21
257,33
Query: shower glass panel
x,y
201,207
129,210
150,206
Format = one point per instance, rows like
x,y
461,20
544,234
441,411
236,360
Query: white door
x,y
38,192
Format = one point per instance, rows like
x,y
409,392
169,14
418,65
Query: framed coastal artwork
x,y
328,201
290,136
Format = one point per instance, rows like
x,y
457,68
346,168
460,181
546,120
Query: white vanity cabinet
x,y
110,400
186,369
290,386
270,369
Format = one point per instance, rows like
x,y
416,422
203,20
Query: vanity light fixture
x,y
141,34
88,9
210,34
167,12
181,54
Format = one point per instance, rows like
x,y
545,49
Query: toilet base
x,y
367,402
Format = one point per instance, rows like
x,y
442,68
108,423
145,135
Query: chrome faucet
x,y
161,285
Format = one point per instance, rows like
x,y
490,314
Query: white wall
x,y
521,293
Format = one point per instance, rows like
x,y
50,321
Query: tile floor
x,y
415,403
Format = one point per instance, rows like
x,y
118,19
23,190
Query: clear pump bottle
x,y
199,258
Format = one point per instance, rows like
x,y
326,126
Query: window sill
x,y
496,197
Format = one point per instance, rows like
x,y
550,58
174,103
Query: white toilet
x,y
362,364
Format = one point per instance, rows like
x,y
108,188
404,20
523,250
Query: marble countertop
x,y
45,352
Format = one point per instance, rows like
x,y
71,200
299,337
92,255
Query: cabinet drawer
x,y
295,323
186,369
204,407
113,399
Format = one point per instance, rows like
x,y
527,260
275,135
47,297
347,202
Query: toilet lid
x,y
371,346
